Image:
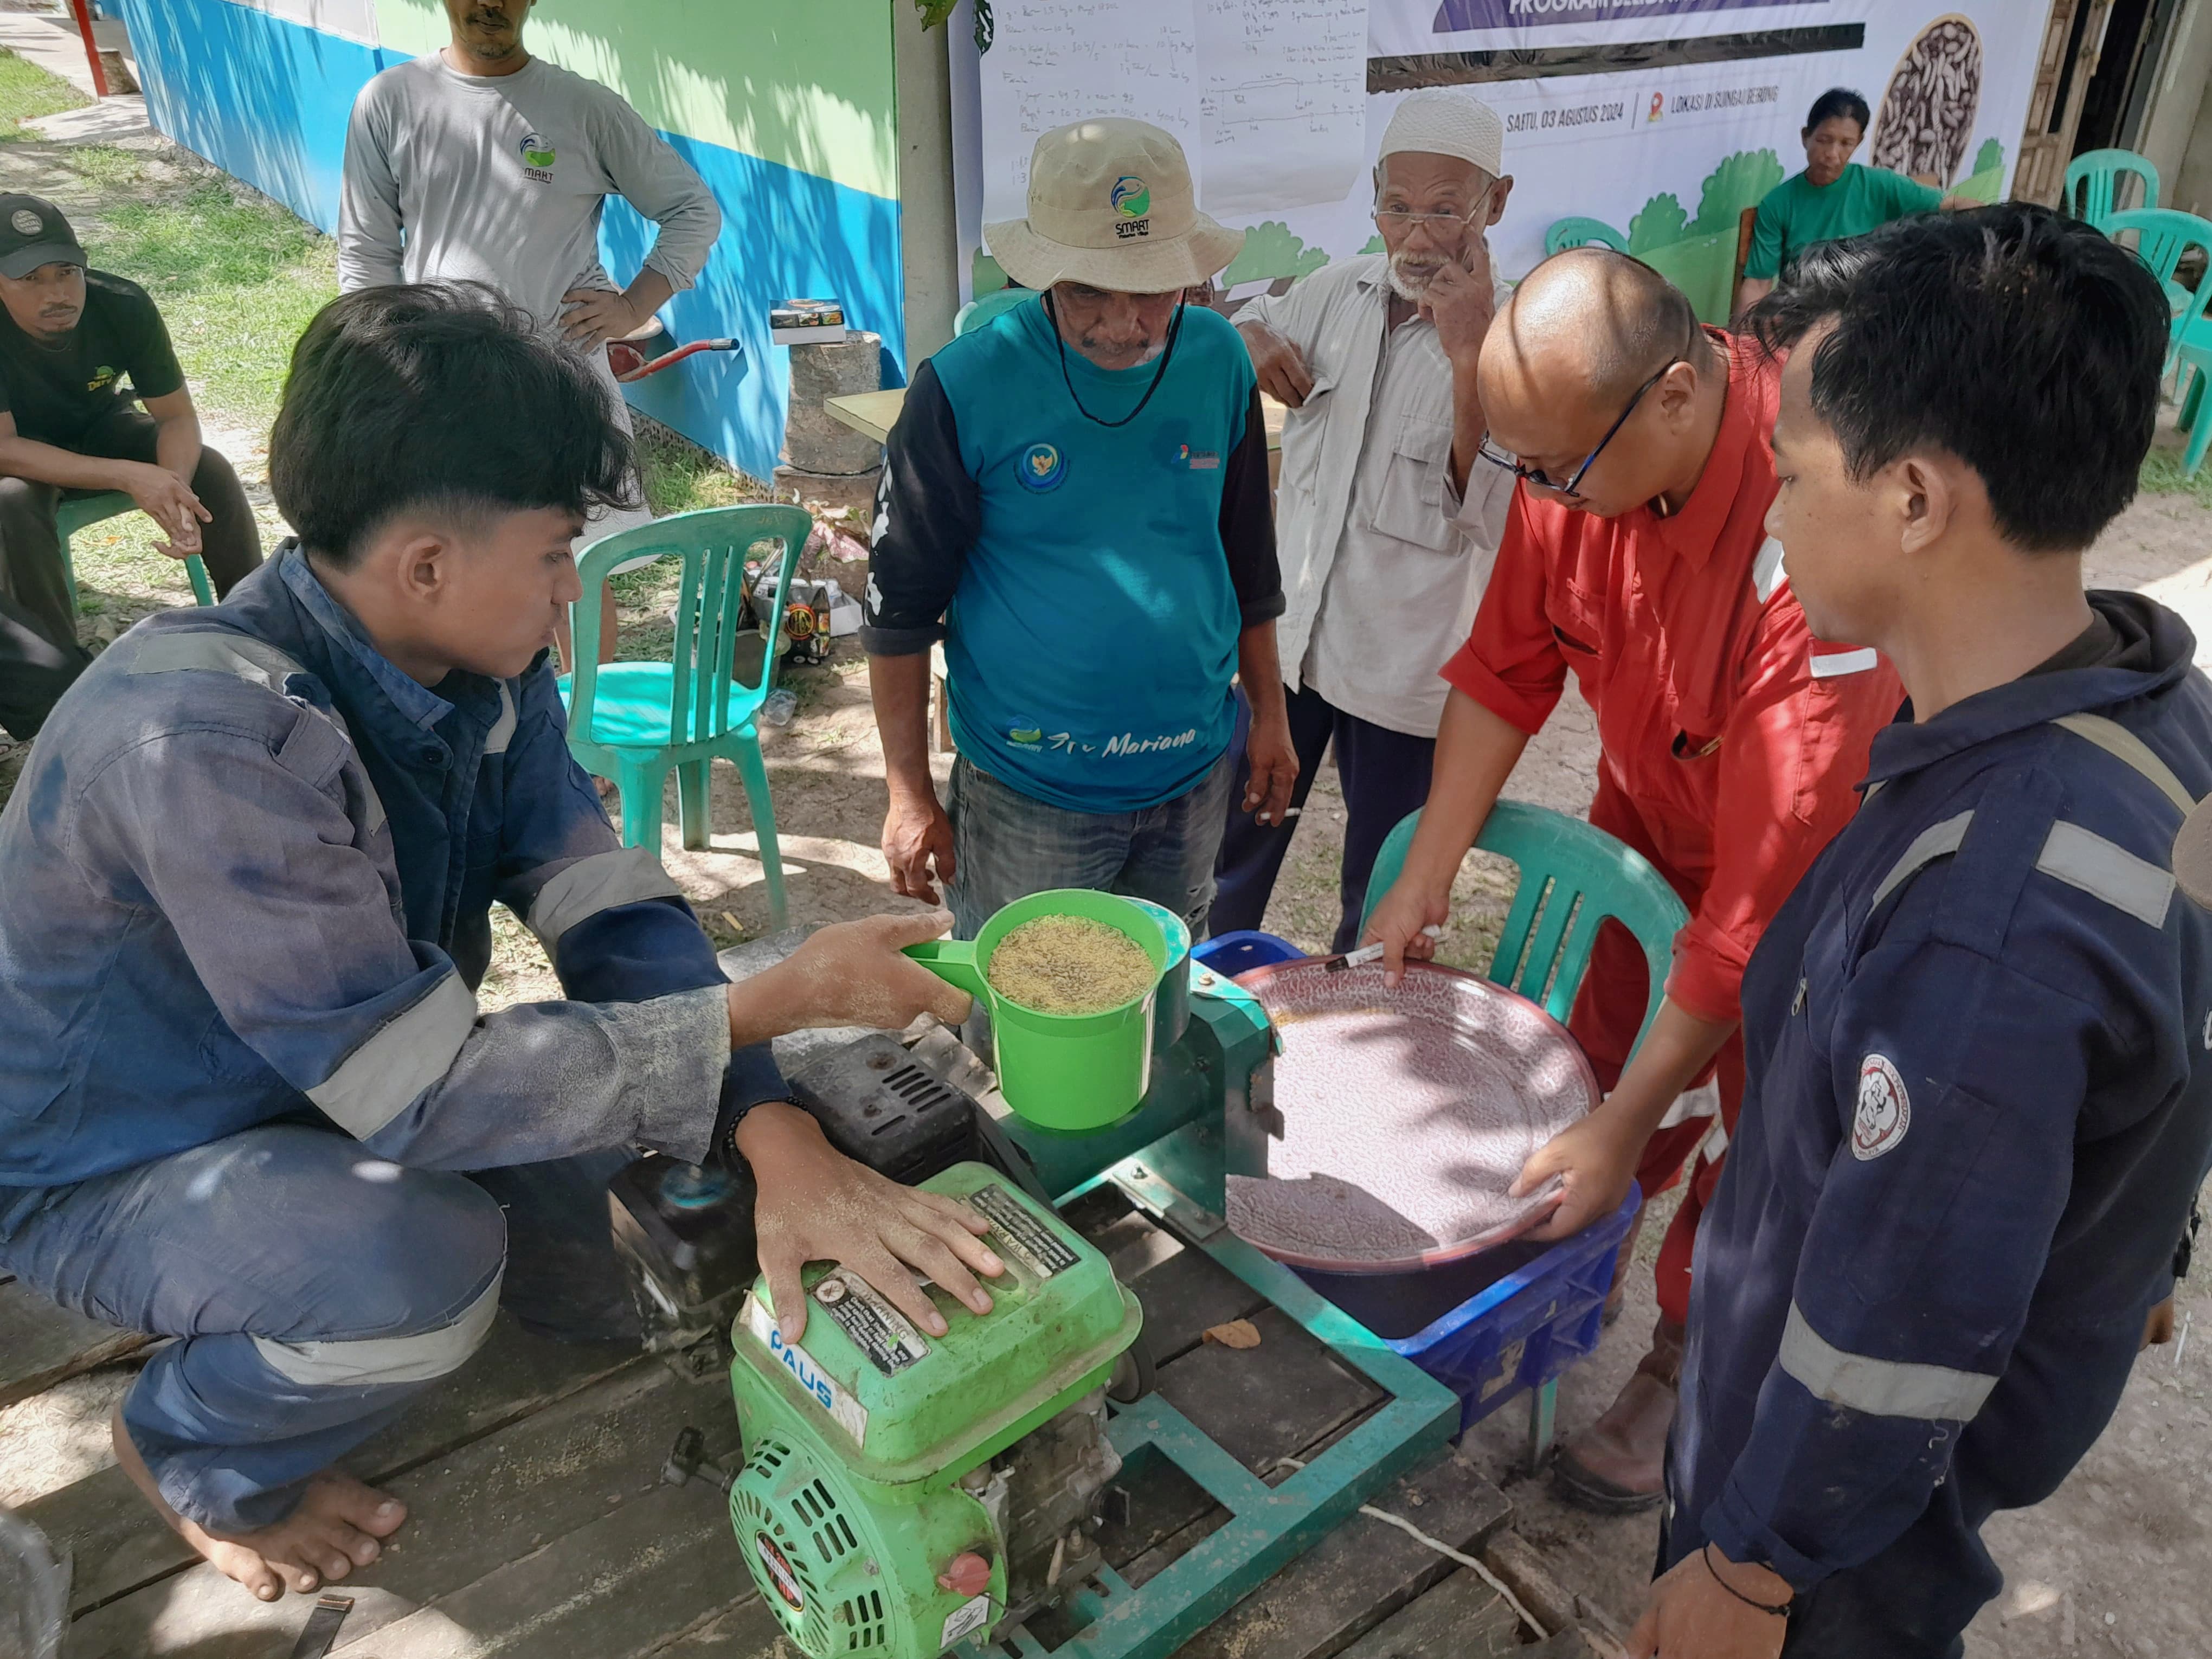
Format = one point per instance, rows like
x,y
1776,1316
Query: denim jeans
x,y
1384,775
1006,846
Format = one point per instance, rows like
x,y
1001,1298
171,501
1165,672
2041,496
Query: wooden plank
x,y
1570,1643
1264,1403
1362,1573
1184,1292
871,414
495,1501
616,1588
1462,1618
1288,1397
742,1630
120,1544
42,1345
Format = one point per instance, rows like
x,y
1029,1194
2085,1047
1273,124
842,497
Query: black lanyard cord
x,y
1167,354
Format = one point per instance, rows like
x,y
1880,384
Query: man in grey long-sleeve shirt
x,y
481,163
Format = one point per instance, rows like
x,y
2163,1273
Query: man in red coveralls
x,y
1635,554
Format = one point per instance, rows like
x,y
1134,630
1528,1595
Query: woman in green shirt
x,y
1833,198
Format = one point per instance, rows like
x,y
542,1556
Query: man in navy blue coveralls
x,y
1980,1101
245,892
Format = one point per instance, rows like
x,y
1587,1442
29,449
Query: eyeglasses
x,y
1571,490
1436,223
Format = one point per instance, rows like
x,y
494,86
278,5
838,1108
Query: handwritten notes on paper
x,y
1283,109
1267,97
1057,61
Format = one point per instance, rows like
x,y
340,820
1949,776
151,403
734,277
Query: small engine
x,y
902,1493
685,1234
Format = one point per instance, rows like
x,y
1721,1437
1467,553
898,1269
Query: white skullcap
x,y
1447,124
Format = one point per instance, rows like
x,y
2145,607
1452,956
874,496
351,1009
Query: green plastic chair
x,y
77,512
1582,233
634,721
2092,184
2163,236
2192,355
1576,875
980,311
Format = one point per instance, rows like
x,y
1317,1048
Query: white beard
x,y
1410,282
1413,286
1151,353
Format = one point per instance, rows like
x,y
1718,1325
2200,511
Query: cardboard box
x,y
807,322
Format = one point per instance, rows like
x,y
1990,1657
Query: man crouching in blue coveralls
x,y
244,891
1980,1100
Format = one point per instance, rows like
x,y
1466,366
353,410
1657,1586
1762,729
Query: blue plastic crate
x,y
1232,954
1538,1308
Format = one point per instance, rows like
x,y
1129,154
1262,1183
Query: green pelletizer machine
x,y
904,1496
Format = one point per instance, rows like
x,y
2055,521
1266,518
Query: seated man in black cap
x,y
69,336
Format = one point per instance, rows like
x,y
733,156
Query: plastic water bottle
x,y
782,703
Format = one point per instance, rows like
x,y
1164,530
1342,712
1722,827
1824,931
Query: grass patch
x,y
2161,476
106,166
682,477
28,91
237,279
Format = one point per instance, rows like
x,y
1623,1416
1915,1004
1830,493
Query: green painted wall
x,y
805,82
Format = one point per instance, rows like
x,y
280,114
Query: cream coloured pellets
x,y
1069,965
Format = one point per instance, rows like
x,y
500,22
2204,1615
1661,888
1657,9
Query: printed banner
x,y
1664,155
1455,15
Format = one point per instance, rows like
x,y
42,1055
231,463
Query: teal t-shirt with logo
x,y
1798,213
1091,580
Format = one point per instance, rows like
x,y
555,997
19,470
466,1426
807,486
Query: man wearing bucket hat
x,y
70,337
1075,502
1387,538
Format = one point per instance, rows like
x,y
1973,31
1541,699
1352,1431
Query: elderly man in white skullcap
x,y
1384,540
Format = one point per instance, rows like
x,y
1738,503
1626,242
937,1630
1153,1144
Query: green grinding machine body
x,y
902,1493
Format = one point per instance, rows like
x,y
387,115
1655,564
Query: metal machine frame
x,y
1170,1157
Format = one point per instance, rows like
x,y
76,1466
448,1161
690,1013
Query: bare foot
x,y
340,1525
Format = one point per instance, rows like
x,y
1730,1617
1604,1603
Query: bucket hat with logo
x,y
1111,206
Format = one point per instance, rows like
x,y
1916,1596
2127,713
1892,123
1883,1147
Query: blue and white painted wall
x,y
789,111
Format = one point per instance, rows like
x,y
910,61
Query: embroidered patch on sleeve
x,y
1885,1111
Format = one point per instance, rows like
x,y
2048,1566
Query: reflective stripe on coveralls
x,y
409,1053
595,883
368,1361
1882,1387
2082,860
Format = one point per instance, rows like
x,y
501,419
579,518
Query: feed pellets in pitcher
x,y
1069,965
1406,1115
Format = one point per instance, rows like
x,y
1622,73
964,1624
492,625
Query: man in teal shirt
x,y
1833,198
1075,502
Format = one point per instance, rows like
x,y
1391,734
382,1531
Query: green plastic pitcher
x,y
1066,1071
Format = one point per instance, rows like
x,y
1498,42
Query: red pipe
x,y
83,11
642,369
